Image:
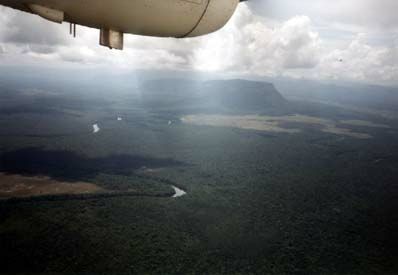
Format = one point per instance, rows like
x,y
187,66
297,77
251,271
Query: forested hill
x,y
230,95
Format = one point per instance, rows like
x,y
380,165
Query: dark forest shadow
x,y
70,166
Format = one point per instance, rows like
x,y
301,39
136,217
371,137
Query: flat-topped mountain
x,y
243,94
222,95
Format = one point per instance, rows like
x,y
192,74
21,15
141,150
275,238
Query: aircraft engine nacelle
x,y
162,18
217,14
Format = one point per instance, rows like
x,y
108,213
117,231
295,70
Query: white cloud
x,y
370,14
21,28
361,62
249,45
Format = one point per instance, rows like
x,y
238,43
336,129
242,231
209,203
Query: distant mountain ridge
x,y
233,95
360,95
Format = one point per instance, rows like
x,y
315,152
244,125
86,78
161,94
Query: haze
x,y
305,39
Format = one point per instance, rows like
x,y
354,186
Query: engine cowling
x,y
217,14
162,18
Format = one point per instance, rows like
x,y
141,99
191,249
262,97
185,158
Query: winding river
x,y
178,192
96,128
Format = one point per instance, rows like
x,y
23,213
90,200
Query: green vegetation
x,y
257,202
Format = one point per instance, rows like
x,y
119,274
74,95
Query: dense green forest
x,y
257,202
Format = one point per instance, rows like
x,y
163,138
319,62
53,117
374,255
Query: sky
x,y
339,40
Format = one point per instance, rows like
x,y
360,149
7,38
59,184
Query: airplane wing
x,y
162,18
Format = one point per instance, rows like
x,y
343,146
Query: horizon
x,y
71,69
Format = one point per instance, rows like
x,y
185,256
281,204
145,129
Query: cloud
x,y
298,43
22,28
361,62
380,14
249,45
289,38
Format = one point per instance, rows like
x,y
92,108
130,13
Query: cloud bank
x,y
313,39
